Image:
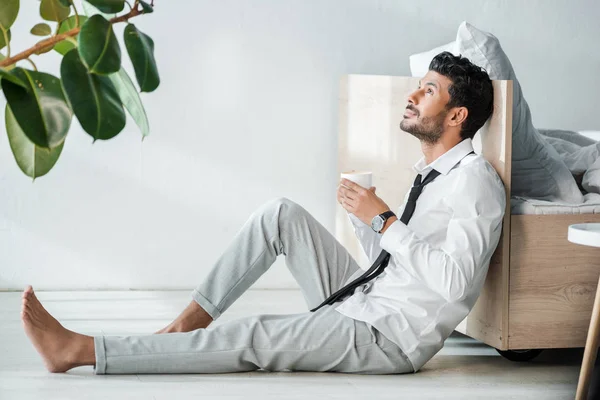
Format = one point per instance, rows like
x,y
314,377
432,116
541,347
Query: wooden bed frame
x,y
540,288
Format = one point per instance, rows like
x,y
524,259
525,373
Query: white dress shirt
x,y
438,261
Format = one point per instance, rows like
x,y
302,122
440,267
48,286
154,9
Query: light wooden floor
x,y
464,369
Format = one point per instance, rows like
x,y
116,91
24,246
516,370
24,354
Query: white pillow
x,y
537,170
419,63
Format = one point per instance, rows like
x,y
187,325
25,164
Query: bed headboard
x,y
370,111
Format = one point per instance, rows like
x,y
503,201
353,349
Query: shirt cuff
x,y
356,220
393,236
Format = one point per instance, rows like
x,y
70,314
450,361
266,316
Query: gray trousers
x,y
324,340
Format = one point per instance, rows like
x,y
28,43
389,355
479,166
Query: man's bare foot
x,y
192,318
60,348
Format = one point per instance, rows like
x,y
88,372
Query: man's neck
x,y
433,151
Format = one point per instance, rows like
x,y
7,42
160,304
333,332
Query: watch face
x,y
377,223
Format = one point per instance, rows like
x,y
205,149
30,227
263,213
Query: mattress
x,y
522,205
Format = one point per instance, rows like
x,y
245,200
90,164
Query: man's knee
x,y
283,205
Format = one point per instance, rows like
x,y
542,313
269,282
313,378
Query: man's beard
x,y
427,129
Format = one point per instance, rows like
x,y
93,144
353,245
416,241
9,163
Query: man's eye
x,y
430,91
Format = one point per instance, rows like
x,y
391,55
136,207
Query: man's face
x,y
426,110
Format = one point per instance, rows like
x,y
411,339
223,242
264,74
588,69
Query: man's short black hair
x,y
471,88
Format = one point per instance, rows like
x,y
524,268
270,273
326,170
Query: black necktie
x,y
382,261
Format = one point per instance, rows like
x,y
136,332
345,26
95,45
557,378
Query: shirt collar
x,y
444,163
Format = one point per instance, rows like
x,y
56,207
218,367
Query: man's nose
x,y
413,97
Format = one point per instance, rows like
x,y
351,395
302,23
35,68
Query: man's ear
x,y
458,115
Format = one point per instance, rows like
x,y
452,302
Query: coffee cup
x,y
361,178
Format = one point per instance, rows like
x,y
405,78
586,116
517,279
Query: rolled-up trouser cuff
x,y
209,307
99,349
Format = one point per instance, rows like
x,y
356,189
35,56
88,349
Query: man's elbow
x,y
457,288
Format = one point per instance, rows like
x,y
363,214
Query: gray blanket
x,y
580,153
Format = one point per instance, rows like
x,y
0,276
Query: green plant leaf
x,y
131,99
90,10
2,41
65,46
99,47
34,161
53,10
41,109
9,9
141,51
108,6
94,98
146,7
66,3
4,74
41,29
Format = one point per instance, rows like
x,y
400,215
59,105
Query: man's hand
x,y
363,203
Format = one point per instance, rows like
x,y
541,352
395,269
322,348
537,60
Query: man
x,y
439,253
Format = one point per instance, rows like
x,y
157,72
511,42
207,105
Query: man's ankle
x,y
85,353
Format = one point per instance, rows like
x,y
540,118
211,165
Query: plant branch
x,y
32,63
51,41
76,14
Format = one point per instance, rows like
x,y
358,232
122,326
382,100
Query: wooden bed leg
x,y
591,349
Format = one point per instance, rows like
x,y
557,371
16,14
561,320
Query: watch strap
x,y
387,215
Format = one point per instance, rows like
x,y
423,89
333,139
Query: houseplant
x,y
93,86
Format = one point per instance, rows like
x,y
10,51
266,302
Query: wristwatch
x,y
378,221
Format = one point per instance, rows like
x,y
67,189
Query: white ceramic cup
x,y
362,178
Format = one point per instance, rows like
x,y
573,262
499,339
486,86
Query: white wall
x,y
246,111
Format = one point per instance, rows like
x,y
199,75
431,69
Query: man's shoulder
x,y
476,173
